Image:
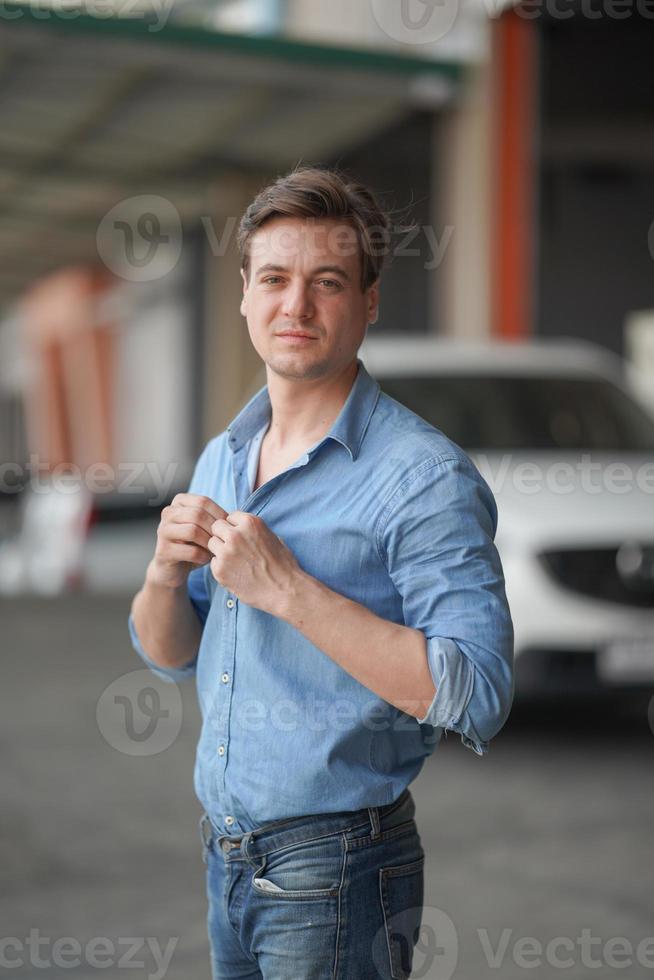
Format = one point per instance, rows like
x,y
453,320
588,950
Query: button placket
x,y
252,502
223,733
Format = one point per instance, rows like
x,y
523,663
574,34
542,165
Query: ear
x,y
373,302
245,288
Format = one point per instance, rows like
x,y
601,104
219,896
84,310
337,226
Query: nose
x,y
297,303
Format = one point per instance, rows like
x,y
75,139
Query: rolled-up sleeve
x,y
436,536
198,591
172,674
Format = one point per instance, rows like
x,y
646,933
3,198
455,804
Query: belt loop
x,y
373,813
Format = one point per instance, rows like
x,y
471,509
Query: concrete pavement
x,y
546,838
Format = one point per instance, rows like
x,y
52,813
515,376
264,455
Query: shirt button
x,y
225,678
229,821
221,750
230,603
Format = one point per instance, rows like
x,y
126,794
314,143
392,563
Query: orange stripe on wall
x,y
514,54
69,402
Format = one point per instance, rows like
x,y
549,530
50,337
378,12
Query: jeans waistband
x,y
283,833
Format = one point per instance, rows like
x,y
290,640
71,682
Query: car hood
x,y
563,498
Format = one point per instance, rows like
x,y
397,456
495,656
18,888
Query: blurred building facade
x,y
525,165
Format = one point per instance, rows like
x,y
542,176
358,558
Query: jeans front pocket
x,y
307,870
402,894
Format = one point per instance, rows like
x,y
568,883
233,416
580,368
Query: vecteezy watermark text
x,y
423,22
152,480
584,9
528,477
100,952
566,952
437,943
155,13
399,241
316,715
140,239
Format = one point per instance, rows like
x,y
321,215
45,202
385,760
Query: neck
x,y
305,410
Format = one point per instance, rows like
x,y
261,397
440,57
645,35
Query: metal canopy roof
x,y
95,110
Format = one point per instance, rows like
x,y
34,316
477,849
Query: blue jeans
x,y
327,897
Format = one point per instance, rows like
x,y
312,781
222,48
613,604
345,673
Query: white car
x,y
568,452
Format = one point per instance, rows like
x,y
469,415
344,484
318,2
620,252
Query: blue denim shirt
x,y
388,511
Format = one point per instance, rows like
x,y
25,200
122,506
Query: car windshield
x,y
539,412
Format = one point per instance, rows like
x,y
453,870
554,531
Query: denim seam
x,y
308,840
339,911
305,893
394,804
301,843
398,831
364,427
299,895
393,872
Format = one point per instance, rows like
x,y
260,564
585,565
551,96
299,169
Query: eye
x,y
269,280
331,283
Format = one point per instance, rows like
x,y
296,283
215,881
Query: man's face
x,y
305,310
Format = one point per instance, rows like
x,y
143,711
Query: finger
x,y
241,518
222,529
202,501
177,514
185,533
174,551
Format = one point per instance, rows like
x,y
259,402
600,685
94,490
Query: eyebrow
x,y
336,269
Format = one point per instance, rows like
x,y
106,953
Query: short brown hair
x,y
319,192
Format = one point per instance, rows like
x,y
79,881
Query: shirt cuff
x,y
171,674
453,676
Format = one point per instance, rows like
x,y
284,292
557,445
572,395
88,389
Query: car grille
x,y
594,572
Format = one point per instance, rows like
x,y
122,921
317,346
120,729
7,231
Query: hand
x,y
182,538
251,562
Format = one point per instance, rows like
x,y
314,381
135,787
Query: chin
x,y
297,366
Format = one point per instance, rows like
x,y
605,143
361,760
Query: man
x,y
331,579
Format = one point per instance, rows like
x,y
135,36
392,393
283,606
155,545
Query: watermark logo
x,y
420,941
140,238
139,714
430,948
415,21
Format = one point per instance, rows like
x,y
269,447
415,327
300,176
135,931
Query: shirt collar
x,y
348,428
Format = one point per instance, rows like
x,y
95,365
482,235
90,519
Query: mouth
x,y
294,335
